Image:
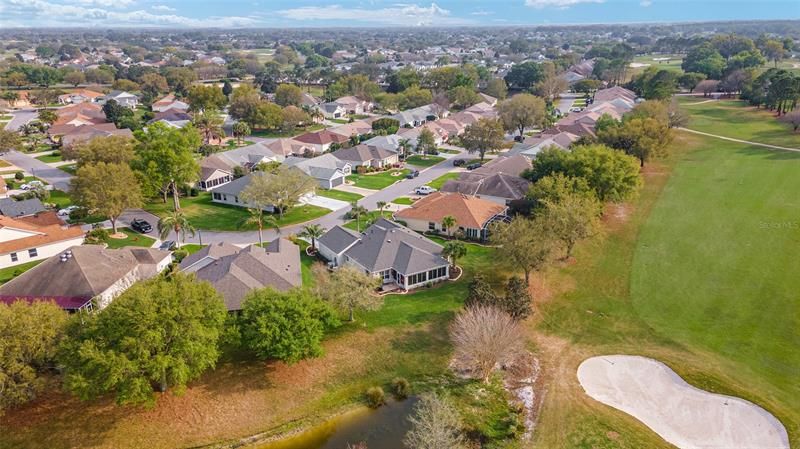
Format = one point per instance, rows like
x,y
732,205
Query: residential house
x,y
532,145
126,99
234,272
500,181
390,142
15,209
420,115
332,110
88,132
488,99
354,105
217,169
169,103
174,118
290,147
326,169
77,115
465,118
84,277
21,241
473,215
399,256
485,110
412,134
366,156
214,172
230,193
79,96
357,128
321,141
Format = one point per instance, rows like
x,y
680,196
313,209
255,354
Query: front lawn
x,y
133,239
279,134
206,214
341,121
403,201
4,164
50,158
448,151
60,198
339,195
439,182
15,184
70,168
379,180
423,161
9,273
366,220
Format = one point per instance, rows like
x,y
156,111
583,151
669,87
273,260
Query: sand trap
x,y
682,414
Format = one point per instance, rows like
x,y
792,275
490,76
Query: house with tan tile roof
x,y
473,215
321,141
79,96
24,241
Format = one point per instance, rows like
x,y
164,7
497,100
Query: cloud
x,y
163,8
646,3
400,14
559,4
481,13
106,3
45,13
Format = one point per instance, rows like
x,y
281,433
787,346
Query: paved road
x,y
334,218
54,176
20,118
764,145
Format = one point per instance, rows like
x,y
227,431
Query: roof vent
x,y
63,258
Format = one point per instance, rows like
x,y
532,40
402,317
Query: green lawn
x,y
365,221
60,198
6,274
339,195
380,180
733,118
280,134
206,214
340,121
133,239
403,200
192,248
15,183
50,158
439,182
424,161
71,168
447,151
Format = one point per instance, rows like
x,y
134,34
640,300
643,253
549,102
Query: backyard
x,y
206,214
378,180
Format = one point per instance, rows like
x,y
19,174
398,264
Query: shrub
x,y
97,236
179,255
19,176
10,184
375,397
194,191
400,388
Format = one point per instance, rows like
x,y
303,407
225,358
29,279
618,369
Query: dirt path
x,y
763,145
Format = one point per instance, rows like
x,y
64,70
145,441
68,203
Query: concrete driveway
x,y
327,203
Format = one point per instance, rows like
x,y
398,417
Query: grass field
x,y
60,198
723,316
50,158
133,239
206,214
439,182
403,200
339,195
424,161
733,118
378,181
8,273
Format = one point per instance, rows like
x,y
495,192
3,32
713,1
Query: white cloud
x,y
646,3
107,3
400,14
481,13
559,4
163,8
46,13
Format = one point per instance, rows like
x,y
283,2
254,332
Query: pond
x,y
382,428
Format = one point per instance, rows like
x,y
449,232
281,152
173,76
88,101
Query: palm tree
x,y
454,250
357,211
209,124
27,129
313,232
240,129
261,220
448,222
405,145
381,206
176,222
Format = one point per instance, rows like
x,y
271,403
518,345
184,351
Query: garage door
x,y
337,181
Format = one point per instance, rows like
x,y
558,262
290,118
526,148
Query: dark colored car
x,y
413,174
140,225
473,166
168,245
459,162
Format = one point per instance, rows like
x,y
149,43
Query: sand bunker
x,y
682,414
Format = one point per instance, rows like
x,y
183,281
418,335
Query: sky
x,y
377,13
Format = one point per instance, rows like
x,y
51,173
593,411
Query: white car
x,y
32,185
66,211
424,190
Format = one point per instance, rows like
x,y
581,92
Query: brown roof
x,y
39,235
89,112
323,137
45,218
469,211
88,132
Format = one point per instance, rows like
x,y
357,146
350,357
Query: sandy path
x,y
683,415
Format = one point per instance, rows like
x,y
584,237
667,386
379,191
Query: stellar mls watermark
x,y
779,225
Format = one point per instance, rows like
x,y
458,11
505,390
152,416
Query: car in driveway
x,y
424,190
168,245
459,162
32,185
139,225
413,174
474,165
67,210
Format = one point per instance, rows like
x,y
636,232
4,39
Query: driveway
x,y
20,118
56,177
327,203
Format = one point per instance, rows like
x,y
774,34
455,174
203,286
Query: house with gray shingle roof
x,y
15,209
388,250
326,169
235,271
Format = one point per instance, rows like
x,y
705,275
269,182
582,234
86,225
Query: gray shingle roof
x,y
339,239
14,209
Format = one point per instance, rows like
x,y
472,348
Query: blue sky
x,y
377,13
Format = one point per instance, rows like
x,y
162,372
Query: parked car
x,y
459,162
140,225
474,165
168,245
424,190
66,211
413,174
32,185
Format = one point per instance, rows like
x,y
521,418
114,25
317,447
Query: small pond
x,y
383,428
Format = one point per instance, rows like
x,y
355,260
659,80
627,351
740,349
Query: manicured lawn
x,y
359,116
50,158
60,198
733,118
403,200
446,151
424,161
15,183
339,195
6,274
698,273
378,181
439,182
133,239
4,164
279,134
341,121
192,248
71,168
206,214
366,220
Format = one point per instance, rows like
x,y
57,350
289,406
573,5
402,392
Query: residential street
x,y
21,117
56,177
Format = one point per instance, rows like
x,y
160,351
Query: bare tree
x,y
435,424
485,337
707,87
792,118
